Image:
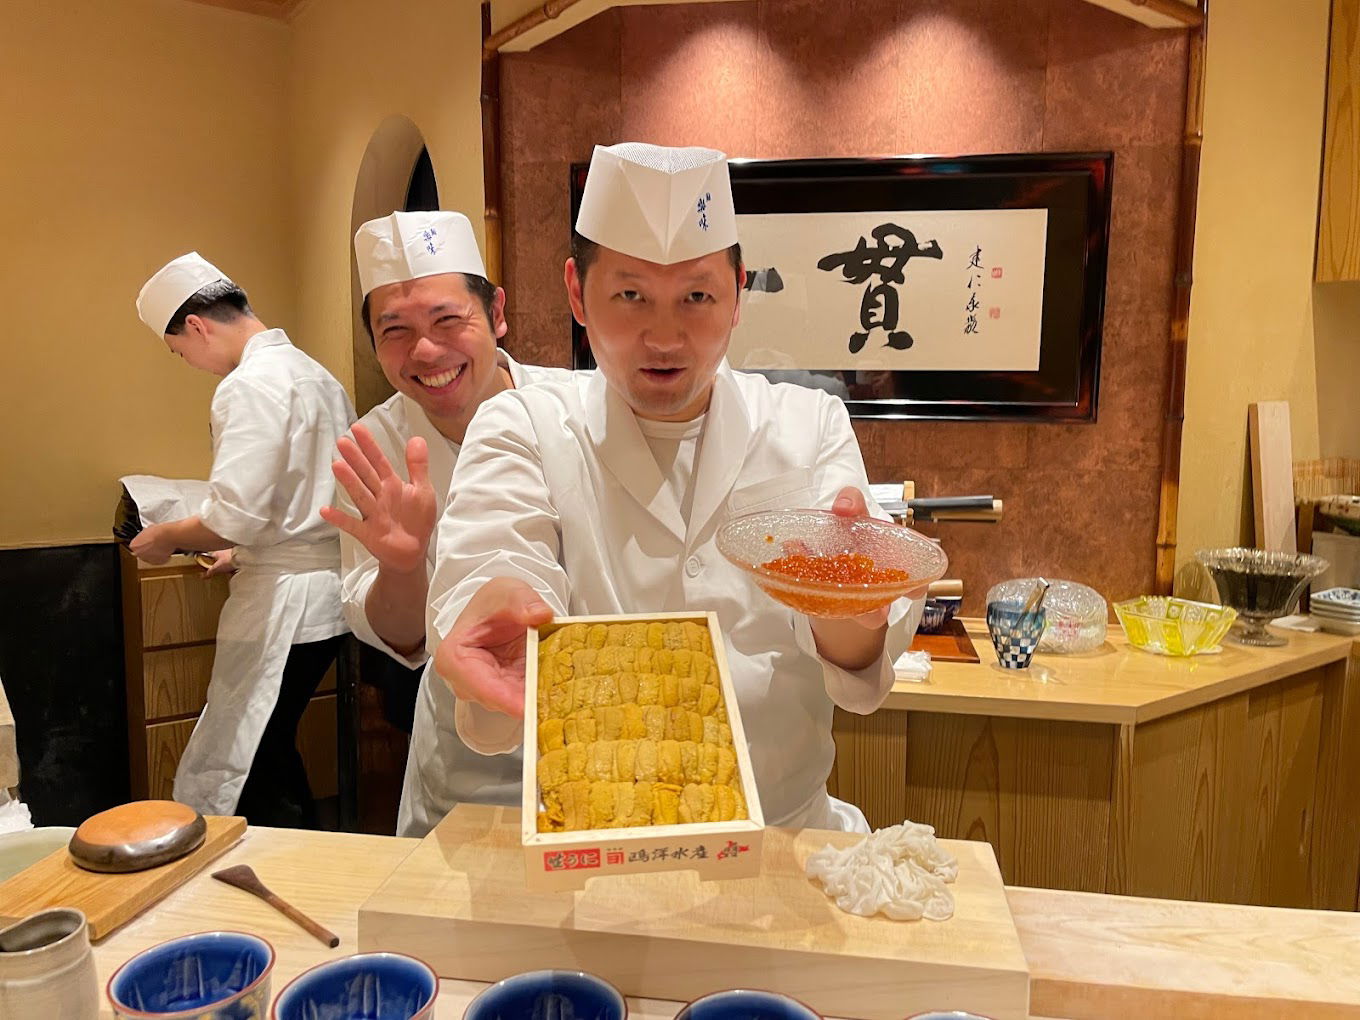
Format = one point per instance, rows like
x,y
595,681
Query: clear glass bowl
x,y
1169,626
1260,585
753,540
1077,617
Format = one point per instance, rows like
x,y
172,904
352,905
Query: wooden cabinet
x,y
1338,252
169,632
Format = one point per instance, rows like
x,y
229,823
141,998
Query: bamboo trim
x,y
1190,17
491,146
491,45
1173,430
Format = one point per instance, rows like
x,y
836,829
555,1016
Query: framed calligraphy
x,y
923,287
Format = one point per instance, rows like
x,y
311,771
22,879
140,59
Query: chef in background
x,y
435,321
603,494
275,415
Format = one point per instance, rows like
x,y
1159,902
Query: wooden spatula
x,y
242,876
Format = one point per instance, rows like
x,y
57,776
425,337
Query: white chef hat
x,y
174,283
409,245
661,204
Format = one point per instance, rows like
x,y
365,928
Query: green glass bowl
x,y
1171,626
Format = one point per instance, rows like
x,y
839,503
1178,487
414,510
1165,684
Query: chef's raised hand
x,y
396,517
482,658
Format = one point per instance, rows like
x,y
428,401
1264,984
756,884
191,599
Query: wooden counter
x,y
1090,957
1232,777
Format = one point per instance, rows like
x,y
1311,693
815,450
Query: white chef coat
x,y
557,486
275,420
464,776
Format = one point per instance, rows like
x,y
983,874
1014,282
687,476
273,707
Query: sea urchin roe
x,y
843,568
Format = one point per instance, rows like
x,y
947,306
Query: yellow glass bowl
x,y
1171,626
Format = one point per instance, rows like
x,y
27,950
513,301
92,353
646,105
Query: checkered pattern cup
x,y
1015,633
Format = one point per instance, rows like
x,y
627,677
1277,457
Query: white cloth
x,y
458,775
556,486
913,665
161,500
172,285
409,245
275,420
658,203
901,872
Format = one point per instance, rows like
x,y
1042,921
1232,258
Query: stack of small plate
x,y
1337,610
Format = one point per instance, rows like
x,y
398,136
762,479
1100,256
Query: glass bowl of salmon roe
x,y
822,564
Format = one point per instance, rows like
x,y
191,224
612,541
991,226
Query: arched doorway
x,y
396,173
378,694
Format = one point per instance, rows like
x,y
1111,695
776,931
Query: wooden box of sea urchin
x,y
635,759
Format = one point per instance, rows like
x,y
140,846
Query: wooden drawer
x,y
175,681
165,743
180,609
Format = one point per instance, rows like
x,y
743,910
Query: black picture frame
x,y
1075,188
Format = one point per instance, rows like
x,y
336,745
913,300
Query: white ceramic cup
x,y
47,969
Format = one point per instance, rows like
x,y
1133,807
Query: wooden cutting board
x,y
950,644
459,902
109,901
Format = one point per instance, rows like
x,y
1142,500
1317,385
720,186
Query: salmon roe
x,y
843,568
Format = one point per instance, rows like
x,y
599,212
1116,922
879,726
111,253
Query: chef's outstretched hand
x,y
396,517
482,658
850,502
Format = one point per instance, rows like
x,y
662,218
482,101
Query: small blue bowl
x,y
214,975
936,614
746,1004
1015,633
548,993
370,986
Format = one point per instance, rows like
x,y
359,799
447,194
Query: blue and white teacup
x,y
746,1004
369,986
214,975
1015,633
548,995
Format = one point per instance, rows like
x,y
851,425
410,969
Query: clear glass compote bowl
x,y
1260,585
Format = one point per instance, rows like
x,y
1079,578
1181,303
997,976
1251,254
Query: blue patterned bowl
x,y
541,994
214,975
370,986
746,1004
936,614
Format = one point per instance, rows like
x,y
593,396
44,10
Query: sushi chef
x,y
435,321
275,416
603,494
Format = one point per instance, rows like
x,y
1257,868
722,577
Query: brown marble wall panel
x,y
785,78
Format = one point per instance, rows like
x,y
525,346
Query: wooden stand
x,y
460,903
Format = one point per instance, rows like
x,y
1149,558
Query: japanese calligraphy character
x,y
885,261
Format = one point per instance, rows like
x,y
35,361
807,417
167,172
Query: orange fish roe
x,y
843,568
